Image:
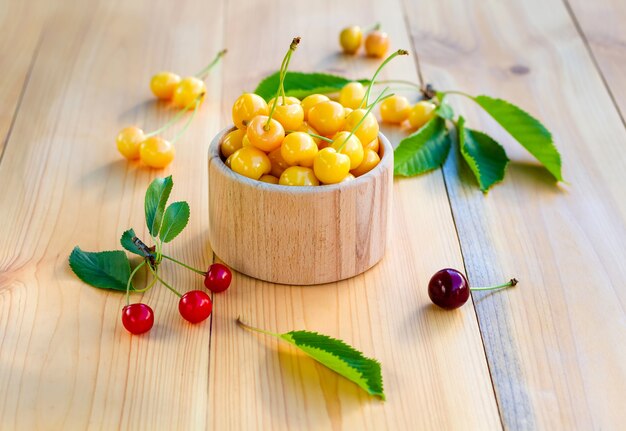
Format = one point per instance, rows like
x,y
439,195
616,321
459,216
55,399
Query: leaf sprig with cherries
x,y
428,147
112,269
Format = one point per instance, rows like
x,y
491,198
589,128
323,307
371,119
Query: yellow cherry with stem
x,y
163,84
155,151
299,148
345,143
264,132
351,95
193,88
288,112
350,145
128,141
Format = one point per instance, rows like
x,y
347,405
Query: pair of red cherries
x,y
194,306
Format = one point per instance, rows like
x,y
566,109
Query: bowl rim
x,y
214,154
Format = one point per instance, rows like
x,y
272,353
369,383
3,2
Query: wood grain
x,y
433,362
66,362
299,235
21,24
556,343
601,23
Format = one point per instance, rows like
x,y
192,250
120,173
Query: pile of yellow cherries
x,y
308,142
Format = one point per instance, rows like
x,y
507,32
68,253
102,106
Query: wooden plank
x,y
21,23
433,361
556,343
67,363
601,23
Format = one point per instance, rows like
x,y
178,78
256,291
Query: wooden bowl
x,y
299,235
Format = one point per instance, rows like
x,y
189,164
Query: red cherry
x,y
195,306
448,289
218,278
137,318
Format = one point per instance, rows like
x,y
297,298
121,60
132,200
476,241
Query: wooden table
x,y
549,354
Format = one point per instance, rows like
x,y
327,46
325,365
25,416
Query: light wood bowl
x,y
299,235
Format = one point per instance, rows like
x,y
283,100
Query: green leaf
x,y
485,157
127,242
300,84
105,269
174,221
424,150
527,130
335,354
156,197
341,358
445,111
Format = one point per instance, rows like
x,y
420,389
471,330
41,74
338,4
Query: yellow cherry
x,y
246,107
290,114
310,101
421,113
377,44
271,179
299,148
374,145
245,142
348,177
156,152
232,142
188,91
395,109
350,39
368,130
306,128
370,160
298,176
250,162
327,117
262,138
351,95
278,163
129,140
350,146
163,84
331,167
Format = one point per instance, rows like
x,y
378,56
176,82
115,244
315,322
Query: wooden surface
x,y
549,354
300,235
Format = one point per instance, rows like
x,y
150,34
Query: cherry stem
x,y
281,88
512,282
204,72
400,82
174,291
375,27
130,279
188,123
197,271
378,101
171,122
252,328
369,109
315,135
365,100
149,286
